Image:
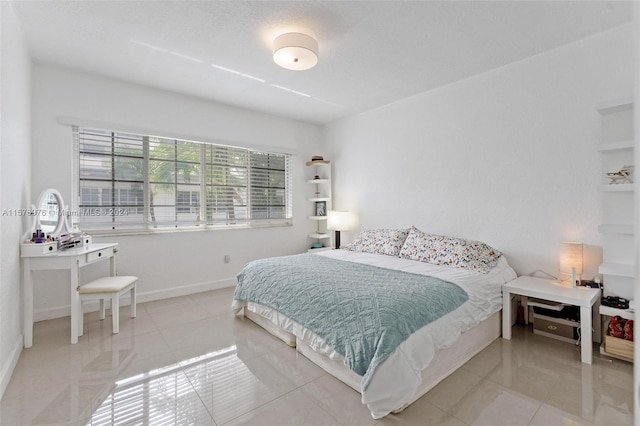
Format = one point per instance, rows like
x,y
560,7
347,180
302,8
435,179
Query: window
x,y
187,202
128,181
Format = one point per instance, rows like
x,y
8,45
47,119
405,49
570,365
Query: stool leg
x,y
133,301
102,309
115,313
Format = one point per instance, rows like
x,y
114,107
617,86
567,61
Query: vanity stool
x,y
108,288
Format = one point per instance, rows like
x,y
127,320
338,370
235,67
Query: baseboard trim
x,y
185,290
10,365
149,296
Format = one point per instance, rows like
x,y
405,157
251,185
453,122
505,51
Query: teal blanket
x,y
363,312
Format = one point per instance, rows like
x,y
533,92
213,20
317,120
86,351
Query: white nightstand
x,y
584,297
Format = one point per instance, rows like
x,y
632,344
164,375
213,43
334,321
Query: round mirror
x,y
49,211
48,215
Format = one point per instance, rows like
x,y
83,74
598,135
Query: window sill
x,y
167,230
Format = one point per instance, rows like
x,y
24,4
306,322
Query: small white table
x,y
72,259
541,288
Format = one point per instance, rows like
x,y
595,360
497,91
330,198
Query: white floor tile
x,y
490,404
292,409
547,416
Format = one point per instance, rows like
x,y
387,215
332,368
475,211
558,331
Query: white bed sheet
x,y
397,378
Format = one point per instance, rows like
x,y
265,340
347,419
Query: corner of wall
x,y
15,181
9,364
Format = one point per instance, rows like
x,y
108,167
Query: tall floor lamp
x,y
337,221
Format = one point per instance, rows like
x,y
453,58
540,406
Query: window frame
x,y
204,207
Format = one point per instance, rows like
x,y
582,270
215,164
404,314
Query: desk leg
x,y
113,265
506,315
75,303
586,343
27,281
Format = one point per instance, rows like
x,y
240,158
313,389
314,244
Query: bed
x,y
470,273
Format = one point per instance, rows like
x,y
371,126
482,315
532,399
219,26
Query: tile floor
x,y
189,361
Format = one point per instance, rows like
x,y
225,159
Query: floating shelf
x,y
618,269
612,312
616,229
616,105
318,217
616,146
318,181
616,187
319,199
320,236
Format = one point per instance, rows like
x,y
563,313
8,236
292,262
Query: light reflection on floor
x,y
163,395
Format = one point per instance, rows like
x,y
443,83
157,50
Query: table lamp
x,y
571,260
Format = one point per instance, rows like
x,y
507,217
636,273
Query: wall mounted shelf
x,y
612,312
615,105
616,146
319,236
617,269
614,228
616,187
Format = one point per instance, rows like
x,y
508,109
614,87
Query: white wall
x,y
14,181
507,157
170,263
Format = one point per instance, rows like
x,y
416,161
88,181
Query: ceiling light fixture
x,y
295,51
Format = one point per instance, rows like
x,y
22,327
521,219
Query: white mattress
x,y
395,381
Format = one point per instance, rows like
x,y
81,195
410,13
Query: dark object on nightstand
x,y
589,283
615,302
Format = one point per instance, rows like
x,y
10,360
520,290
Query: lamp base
x,y
573,280
337,240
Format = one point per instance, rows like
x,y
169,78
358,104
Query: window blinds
x,y
129,182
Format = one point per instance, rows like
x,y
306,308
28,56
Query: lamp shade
x,y
571,257
338,221
295,51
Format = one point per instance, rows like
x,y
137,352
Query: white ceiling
x,y
371,52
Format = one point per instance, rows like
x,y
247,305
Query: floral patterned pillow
x,y
449,251
379,241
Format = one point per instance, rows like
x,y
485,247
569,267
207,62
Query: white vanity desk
x,y
72,259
